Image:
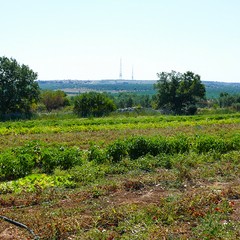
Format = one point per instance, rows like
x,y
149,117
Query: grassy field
x,y
139,177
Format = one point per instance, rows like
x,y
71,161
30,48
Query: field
x,y
121,177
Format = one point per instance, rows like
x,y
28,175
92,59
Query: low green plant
x,y
158,146
96,154
117,151
138,147
14,166
21,161
48,160
212,226
69,157
88,172
33,182
205,143
62,157
178,144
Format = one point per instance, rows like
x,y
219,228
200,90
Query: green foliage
x,y
48,159
128,100
18,89
141,146
206,143
138,146
69,157
15,166
178,144
117,150
88,172
179,93
213,226
59,157
183,186
96,154
93,104
227,100
36,182
54,99
21,161
57,124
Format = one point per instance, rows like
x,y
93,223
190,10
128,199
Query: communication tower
x,y
132,74
120,73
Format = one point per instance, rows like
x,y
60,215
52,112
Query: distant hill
x,y
72,87
112,86
213,89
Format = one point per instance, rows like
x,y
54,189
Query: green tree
x,y
18,89
226,100
145,101
54,99
130,102
179,93
125,100
93,104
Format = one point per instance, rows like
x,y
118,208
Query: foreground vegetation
x,y
141,177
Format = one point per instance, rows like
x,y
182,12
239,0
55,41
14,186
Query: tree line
x,y
177,93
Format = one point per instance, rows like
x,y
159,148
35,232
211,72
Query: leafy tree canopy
x,y
179,93
126,100
18,89
54,99
93,104
229,100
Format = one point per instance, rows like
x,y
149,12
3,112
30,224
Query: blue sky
x,y
85,39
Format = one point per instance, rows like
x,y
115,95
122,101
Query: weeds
x,y
168,186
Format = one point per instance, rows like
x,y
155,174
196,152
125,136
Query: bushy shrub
x,y
20,161
54,99
14,166
87,173
157,146
203,144
117,151
93,104
64,158
26,164
236,142
48,160
69,157
96,154
138,147
178,144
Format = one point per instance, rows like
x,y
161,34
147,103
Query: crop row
x,y
113,123
21,161
37,156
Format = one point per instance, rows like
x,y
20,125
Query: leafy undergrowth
x,y
112,123
80,132
136,178
195,197
119,156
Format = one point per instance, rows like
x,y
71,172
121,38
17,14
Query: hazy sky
x,y
85,39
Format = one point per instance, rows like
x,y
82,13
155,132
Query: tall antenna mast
x,y
132,73
120,74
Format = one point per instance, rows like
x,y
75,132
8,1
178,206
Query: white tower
x,y
120,73
132,73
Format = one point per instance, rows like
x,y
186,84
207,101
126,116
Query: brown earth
x,y
129,192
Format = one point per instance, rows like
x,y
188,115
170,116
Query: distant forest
x,y
141,87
